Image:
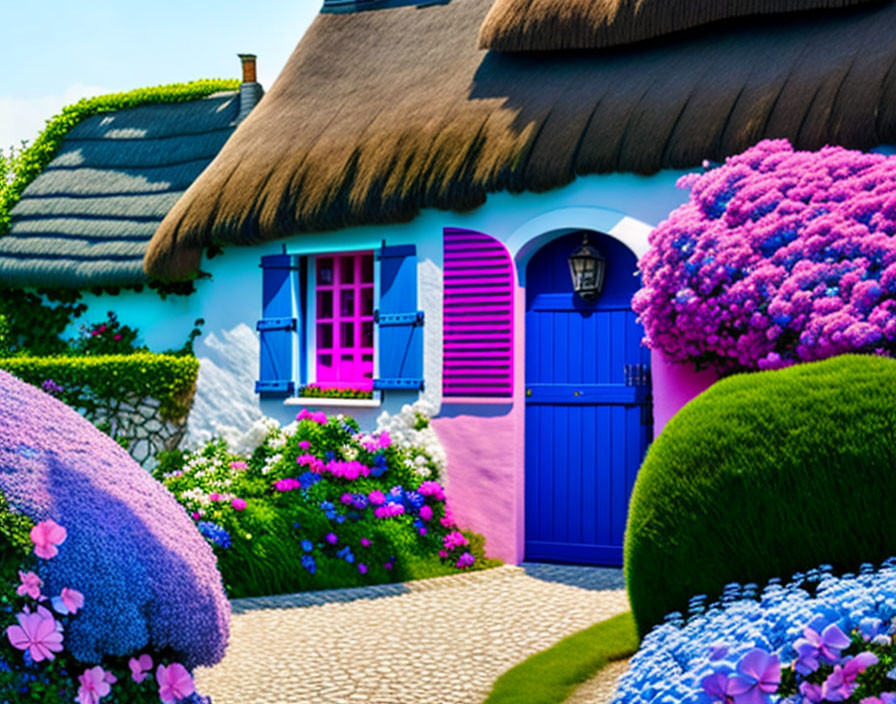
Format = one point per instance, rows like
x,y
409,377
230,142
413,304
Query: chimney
x,y
250,90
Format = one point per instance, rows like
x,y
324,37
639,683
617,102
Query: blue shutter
x,y
400,323
277,327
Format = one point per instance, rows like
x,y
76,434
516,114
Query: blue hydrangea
x,y
307,545
308,479
214,533
675,656
346,554
309,564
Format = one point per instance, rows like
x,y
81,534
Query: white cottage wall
x,y
230,302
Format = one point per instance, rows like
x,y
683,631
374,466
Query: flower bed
x,y
819,638
318,504
779,257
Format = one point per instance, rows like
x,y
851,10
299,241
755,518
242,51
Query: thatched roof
x,y
380,114
87,219
549,25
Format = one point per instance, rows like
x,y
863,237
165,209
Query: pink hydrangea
x,y
465,560
426,513
313,463
304,444
779,257
239,465
346,470
314,416
454,539
239,504
388,511
433,489
289,484
376,497
384,440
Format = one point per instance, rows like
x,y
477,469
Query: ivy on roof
x,y
35,158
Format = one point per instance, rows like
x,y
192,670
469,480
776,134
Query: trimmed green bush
x,y
93,382
761,476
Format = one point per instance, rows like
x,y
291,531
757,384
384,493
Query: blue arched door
x,y
588,414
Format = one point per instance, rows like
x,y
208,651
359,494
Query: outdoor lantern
x,y
587,266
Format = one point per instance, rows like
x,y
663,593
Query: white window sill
x,y
312,401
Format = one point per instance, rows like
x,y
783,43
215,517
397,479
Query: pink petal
x,y
145,661
18,637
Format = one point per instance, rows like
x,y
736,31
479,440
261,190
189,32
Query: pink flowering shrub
x,y
779,257
36,659
128,547
321,505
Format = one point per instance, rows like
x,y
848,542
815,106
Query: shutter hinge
x,y
386,319
276,324
281,387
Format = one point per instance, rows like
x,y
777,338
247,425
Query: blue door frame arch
x,y
588,414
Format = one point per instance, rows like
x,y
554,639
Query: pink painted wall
x,y
674,384
485,445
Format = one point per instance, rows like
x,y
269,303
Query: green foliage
x,y
550,676
315,391
36,320
271,540
31,161
4,336
761,476
106,337
95,382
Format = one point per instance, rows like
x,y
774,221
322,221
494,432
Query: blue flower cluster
x,y
214,533
309,563
308,479
676,655
346,554
329,509
379,465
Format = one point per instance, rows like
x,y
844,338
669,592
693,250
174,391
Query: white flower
x,y
350,453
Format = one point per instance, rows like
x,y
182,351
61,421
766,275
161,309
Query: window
x,y
343,323
319,318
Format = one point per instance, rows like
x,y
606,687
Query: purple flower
x,y
120,523
814,649
465,560
331,538
715,686
758,676
842,681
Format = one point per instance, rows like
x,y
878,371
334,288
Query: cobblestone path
x,y
436,641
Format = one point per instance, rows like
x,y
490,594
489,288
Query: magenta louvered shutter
x,y
478,316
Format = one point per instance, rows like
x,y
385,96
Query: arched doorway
x,y
588,414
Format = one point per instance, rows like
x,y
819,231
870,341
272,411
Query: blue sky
x,y
57,51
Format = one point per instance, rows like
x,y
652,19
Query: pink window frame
x,y
343,330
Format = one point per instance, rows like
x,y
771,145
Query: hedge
x,y
764,475
35,158
91,379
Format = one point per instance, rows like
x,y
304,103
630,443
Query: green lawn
x,y
550,676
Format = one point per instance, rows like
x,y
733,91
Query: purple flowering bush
x,y
820,638
318,504
36,662
132,551
779,257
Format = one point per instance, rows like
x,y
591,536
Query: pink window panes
x,y
344,322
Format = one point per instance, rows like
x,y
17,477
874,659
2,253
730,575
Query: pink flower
x,y
433,489
174,683
422,531
387,565
316,417
196,515
94,685
362,568
214,496
238,504
68,602
385,439
239,465
388,511
304,444
30,585
443,553
365,542
331,538
38,633
46,535
140,667
287,484
454,539
117,337
426,513
376,497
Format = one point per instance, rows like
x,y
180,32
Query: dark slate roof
x,y
88,218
